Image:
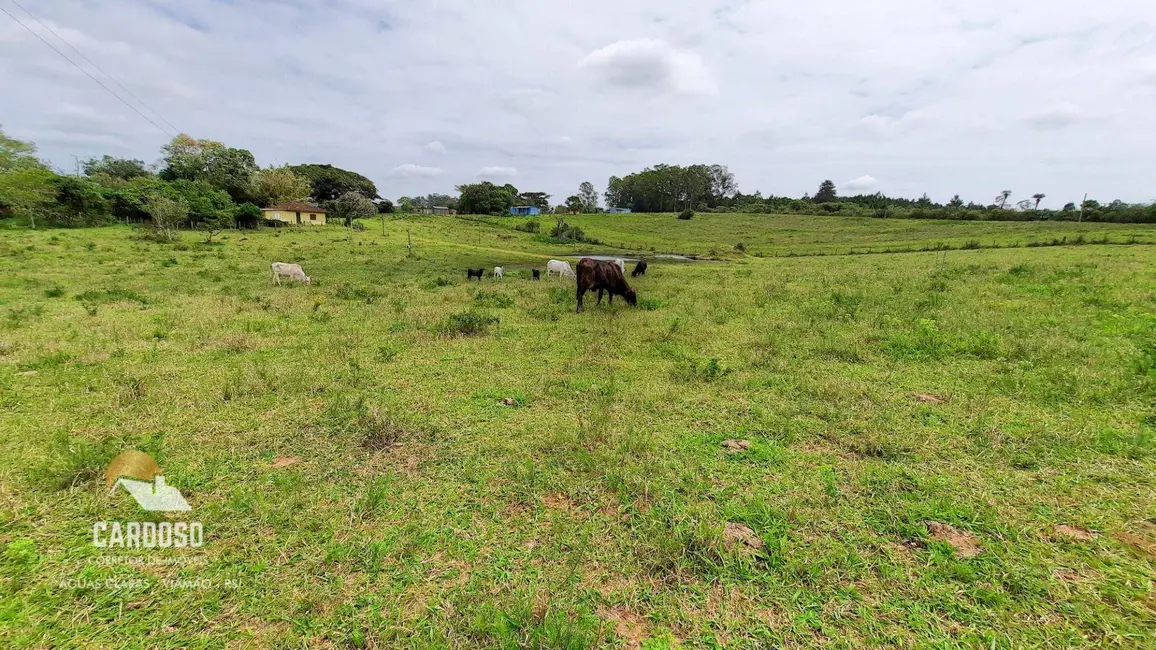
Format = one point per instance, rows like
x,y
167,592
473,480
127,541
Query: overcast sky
x,y
902,96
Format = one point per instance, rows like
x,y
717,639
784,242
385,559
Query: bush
x,y
686,215
468,323
530,226
567,232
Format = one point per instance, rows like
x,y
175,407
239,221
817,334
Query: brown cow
x,y
603,276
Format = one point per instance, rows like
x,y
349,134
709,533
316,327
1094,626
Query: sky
x,y
898,96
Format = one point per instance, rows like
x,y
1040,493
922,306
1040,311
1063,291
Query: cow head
x,y
308,280
631,297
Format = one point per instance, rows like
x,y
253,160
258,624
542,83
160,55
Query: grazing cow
x,y
603,276
621,266
639,269
563,269
498,273
291,272
471,273
537,274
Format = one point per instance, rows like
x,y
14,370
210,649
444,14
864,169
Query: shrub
x,y
468,323
686,215
533,226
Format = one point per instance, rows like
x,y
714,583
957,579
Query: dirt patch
x,y
1066,575
630,627
965,543
509,401
1141,545
927,398
741,537
1074,532
559,501
283,461
734,445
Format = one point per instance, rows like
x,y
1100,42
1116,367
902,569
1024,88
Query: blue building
x,y
525,210
618,210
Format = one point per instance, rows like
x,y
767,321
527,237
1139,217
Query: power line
x,y
90,62
87,73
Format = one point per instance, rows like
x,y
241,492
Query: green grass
x,y
396,457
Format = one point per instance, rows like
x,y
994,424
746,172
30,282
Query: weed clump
x,y
468,323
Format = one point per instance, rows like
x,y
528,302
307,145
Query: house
x,y
295,212
155,496
618,211
525,210
437,209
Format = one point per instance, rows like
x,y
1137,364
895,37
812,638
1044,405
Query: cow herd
x,y
603,276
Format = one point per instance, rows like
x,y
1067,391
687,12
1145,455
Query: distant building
x,y
438,209
618,210
525,210
295,212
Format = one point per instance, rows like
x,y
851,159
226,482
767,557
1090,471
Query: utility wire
x,y
91,63
87,73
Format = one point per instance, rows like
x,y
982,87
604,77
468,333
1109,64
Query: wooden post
x,y
1081,217
408,243
383,224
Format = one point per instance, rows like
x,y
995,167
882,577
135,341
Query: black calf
x,y
474,273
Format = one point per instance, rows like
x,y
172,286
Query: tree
x,y
331,182
207,208
1069,207
167,214
352,205
405,204
1024,206
225,168
385,206
955,202
80,201
278,185
574,203
588,196
540,200
486,198
826,193
27,186
1002,198
108,167
1039,197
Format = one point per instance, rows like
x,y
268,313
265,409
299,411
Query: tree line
x,y
208,185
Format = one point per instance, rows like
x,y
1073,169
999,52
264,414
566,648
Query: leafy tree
x,y
1039,197
1069,207
668,188
826,193
167,214
540,200
225,168
80,202
435,200
385,206
27,186
405,204
248,215
351,206
331,182
588,196
206,206
486,198
574,203
955,202
1024,206
1001,199
278,185
123,169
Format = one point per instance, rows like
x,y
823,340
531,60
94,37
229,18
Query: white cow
x,y
498,273
621,265
563,269
292,272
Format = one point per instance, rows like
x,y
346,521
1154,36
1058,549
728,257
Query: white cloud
x,y
435,147
497,172
410,170
649,65
1056,116
859,184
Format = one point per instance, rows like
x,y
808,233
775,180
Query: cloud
x,y
969,101
859,184
497,172
410,170
435,147
1056,117
649,65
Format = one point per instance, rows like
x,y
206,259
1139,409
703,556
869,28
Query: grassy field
x,y
896,450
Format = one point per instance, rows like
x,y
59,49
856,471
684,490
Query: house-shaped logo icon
x,y
155,496
133,470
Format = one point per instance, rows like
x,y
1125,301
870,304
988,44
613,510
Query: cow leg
x,y
600,296
580,292
612,298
